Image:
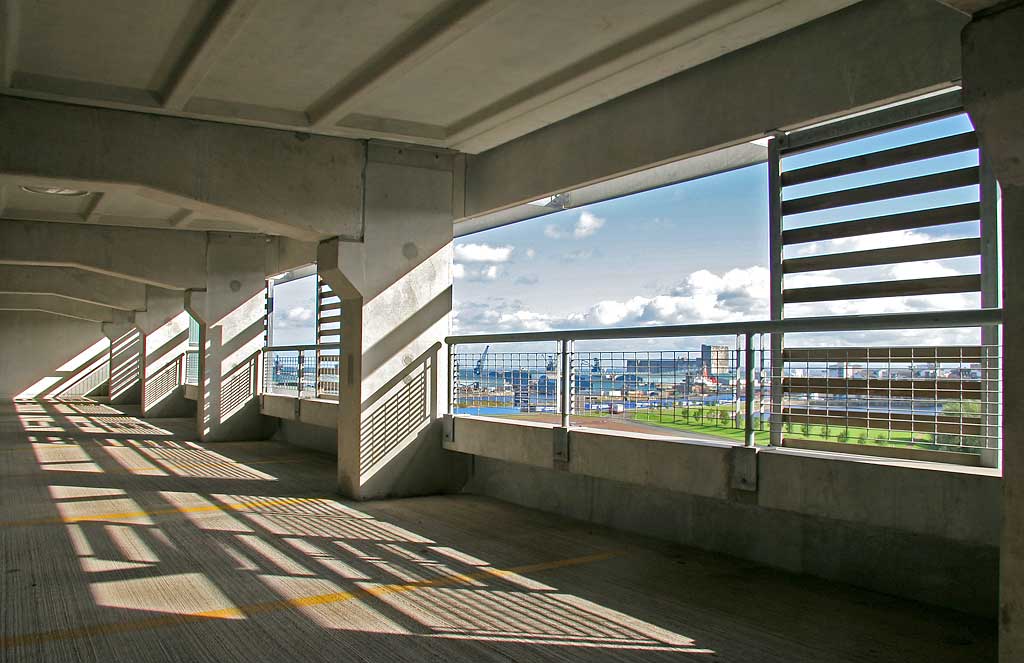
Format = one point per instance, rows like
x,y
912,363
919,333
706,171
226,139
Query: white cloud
x,y
299,314
475,272
738,294
531,253
587,225
482,253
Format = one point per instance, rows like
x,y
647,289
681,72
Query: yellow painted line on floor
x,y
125,515
245,611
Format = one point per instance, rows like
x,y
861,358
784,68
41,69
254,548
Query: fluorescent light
x,y
54,191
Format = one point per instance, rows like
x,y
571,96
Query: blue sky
x,y
688,253
698,252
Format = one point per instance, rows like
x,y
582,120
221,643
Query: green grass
x,y
718,420
692,420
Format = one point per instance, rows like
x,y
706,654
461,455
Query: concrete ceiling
x,y
463,74
109,205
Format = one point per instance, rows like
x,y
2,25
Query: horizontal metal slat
x,y
873,122
922,389
936,216
950,179
892,157
904,288
954,248
918,423
924,353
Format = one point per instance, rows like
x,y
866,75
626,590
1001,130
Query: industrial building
x,y
175,486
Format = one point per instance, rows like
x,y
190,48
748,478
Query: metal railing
x,y
191,367
944,398
302,371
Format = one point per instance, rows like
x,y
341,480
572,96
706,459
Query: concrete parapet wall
x,y
314,412
924,531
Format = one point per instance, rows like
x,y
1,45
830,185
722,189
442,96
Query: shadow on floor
x,y
125,539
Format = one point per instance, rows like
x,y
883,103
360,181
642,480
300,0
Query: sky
x,y
695,252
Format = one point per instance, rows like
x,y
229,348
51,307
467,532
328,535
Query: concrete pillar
x,y
993,82
164,327
231,312
395,287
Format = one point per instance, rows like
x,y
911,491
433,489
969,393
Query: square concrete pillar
x,y
993,81
164,327
231,314
395,286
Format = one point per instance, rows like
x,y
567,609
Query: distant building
x,y
716,359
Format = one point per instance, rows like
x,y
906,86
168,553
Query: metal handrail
x,y
929,320
746,329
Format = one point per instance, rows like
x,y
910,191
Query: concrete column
x,y
125,359
231,312
164,327
395,287
993,82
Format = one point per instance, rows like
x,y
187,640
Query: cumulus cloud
x,y
299,314
737,294
476,272
531,253
482,253
586,225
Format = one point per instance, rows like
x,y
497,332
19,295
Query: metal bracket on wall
x,y
743,468
447,430
560,448
298,408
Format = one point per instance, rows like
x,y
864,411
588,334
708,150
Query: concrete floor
x,y
122,540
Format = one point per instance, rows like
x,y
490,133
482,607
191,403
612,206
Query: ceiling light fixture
x,y
54,191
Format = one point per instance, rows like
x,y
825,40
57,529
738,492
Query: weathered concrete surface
x,y
164,325
865,55
126,359
994,97
314,412
231,311
395,287
250,558
45,353
274,182
934,568
88,287
808,512
174,259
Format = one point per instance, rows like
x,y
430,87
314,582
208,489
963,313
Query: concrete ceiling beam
x,y
9,31
221,26
75,284
174,259
273,182
827,68
69,308
971,7
425,39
